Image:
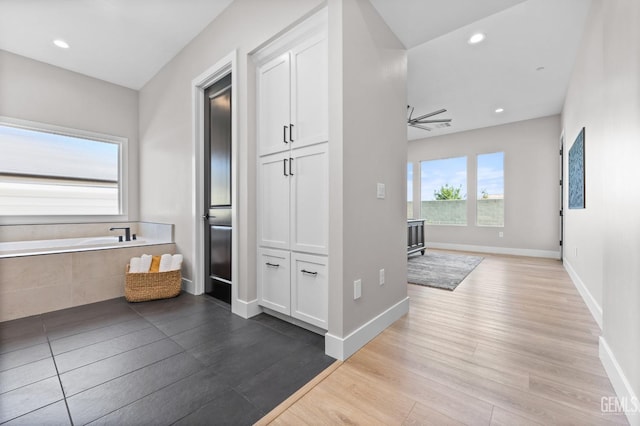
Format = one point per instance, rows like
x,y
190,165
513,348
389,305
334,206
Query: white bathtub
x,y
66,245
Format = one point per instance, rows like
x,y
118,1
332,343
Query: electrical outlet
x,y
381,276
381,191
500,234
357,289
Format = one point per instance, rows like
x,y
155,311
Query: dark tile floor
x,y
185,361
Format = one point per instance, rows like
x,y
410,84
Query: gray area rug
x,y
440,270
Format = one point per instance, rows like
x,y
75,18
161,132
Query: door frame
x,y
224,66
561,195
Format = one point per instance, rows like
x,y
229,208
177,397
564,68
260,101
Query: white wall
x,y
167,157
531,170
604,97
367,145
35,91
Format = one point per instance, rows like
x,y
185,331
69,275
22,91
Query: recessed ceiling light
x,y
476,38
61,44
499,110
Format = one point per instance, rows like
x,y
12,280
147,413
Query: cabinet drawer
x,y
309,289
274,289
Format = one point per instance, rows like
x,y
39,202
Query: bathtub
x,y
67,245
48,275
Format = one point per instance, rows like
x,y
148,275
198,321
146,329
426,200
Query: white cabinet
x,y
293,173
274,289
294,284
273,201
309,289
293,208
293,97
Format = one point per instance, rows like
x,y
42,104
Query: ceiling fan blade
x,y
444,120
431,114
420,127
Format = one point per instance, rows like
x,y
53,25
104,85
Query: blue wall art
x,y
577,173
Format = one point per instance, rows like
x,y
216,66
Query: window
x,y
444,191
490,204
51,171
409,190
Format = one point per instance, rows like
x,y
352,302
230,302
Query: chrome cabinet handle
x,y
273,265
304,271
290,165
285,167
290,132
284,134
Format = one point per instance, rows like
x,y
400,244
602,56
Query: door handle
x,y
273,265
205,216
290,165
304,271
284,134
290,132
285,167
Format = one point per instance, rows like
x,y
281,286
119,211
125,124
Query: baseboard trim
x,y
550,254
246,309
188,286
589,300
342,348
624,391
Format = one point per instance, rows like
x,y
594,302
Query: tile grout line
x,y
55,365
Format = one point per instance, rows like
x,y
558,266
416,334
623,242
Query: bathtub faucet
x,y
127,233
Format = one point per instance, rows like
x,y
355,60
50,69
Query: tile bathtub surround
x,y
34,285
186,360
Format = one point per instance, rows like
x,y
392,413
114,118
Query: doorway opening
x,y
225,67
218,227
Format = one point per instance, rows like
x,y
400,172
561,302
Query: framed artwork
x,y
577,173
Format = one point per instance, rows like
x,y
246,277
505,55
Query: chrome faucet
x,y
127,233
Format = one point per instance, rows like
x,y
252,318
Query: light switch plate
x,y
381,191
357,289
381,276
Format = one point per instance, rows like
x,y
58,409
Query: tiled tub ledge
x,y
69,245
38,282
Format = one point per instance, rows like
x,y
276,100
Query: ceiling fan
x,y
419,121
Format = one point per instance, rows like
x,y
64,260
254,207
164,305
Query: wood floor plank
x,y
514,344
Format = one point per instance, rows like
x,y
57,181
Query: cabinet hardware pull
x,y
284,134
304,271
290,166
273,265
285,167
290,132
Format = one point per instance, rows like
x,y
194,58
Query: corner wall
x,y
371,148
604,97
531,174
36,91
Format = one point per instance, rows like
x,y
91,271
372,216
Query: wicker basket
x,y
151,286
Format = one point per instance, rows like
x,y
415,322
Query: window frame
x,y
123,178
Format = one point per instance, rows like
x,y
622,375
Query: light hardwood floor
x,y
514,344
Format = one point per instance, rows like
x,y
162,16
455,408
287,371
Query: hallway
x,y
513,344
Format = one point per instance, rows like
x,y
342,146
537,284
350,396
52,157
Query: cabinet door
x,y
274,81
310,92
310,199
309,289
274,275
273,201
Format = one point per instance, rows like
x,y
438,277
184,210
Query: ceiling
x,y
523,65
125,42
